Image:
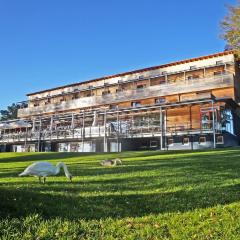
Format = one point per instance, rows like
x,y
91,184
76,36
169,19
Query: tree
x,y
231,28
10,113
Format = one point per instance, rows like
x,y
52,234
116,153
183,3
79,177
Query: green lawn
x,y
153,195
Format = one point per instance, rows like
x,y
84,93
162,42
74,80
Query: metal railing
x,y
161,90
121,131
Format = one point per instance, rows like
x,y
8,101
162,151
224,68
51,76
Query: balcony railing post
x,y
105,132
83,130
161,129
25,140
117,130
39,135
213,125
51,128
165,128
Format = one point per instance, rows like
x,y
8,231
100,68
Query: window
x,y
185,141
75,96
136,104
193,77
219,62
218,73
202,140
111,106
193,67
141,86
48,101
204,93
226,120
164,73
119,90
220,140
89,94
141,77
170,142
160,100
153,144
106,92
157,81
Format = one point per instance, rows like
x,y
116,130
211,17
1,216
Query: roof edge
x,y
138,71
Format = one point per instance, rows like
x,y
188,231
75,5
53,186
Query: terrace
x,y
139,122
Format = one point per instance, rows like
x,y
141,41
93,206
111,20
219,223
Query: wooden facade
x,y
189,97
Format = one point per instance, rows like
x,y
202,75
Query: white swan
x,y
45,169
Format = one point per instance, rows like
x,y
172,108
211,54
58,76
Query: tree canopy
x,y
231,28
10,112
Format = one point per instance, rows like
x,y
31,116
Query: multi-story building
x,y
188,104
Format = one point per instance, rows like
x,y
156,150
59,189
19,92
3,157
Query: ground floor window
x,y
202,140
227,120
87,146
220,140
115,147
170,142
185,141
153,144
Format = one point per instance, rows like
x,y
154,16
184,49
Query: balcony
x,y
185,86
123,130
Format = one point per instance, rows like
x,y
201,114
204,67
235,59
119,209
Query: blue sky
x,y
45,43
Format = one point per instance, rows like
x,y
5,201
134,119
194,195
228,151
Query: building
x,y
189,104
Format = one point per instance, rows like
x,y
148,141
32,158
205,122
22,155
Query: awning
x,y
4,126
17,124
20,124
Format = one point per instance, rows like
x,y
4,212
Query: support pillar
x,y
161,129
213,125
105,148
165,129
51,127
83,131
39,135
25,140
72,125
117,130
190,127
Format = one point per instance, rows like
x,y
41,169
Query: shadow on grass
x,y
21,203
30,157
199,178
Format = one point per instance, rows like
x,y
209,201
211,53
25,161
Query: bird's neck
x,y
64,168
58,168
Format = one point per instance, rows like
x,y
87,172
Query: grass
x,y
153,195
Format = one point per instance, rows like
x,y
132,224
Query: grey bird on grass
x,y
111,162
